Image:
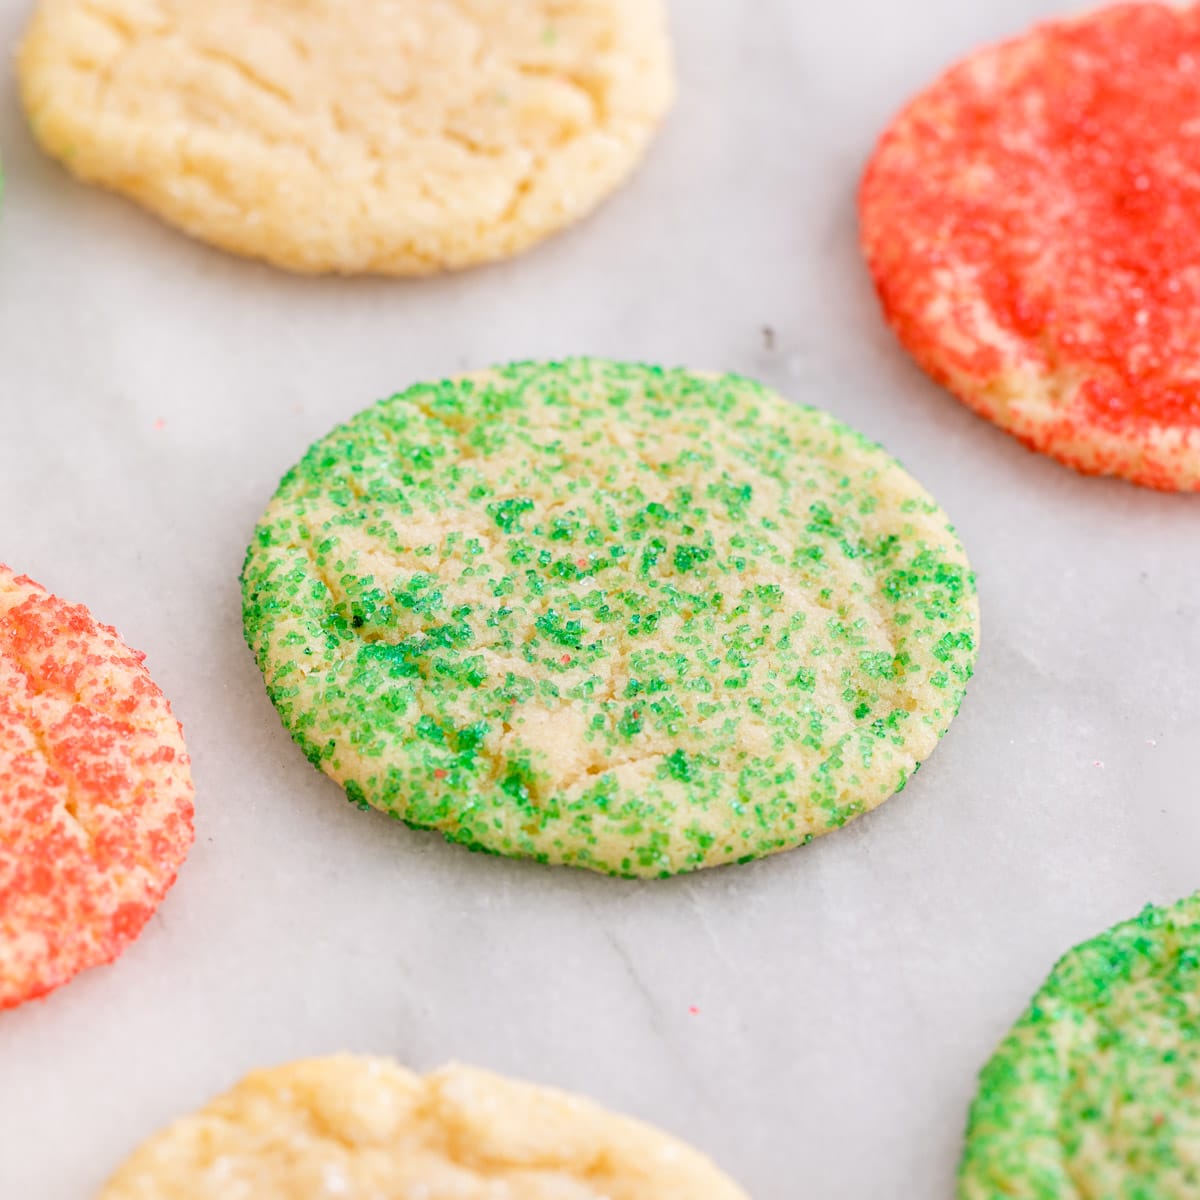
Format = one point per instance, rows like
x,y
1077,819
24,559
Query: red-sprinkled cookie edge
x,y
1166,459
134,913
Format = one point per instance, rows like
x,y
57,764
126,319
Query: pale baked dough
x,y
349,1128
393,136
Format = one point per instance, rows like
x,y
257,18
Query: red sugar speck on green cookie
x,y
95,792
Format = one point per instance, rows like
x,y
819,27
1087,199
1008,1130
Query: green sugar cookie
x,y
629,619
1096,1091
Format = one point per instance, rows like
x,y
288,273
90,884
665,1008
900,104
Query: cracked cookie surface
x,y
634,620
360,1127
374,137
1096,1091
1031,221
95,792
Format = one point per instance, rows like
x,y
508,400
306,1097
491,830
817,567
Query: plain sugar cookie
x,y
364,1127
95,792
630,619
374,136
1031,221
1096,1091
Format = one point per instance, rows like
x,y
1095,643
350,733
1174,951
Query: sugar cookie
x,y
398,139
95,792
364,1127
1096,1091
1031,221
635,620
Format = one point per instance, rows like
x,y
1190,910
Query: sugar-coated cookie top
x,y
1096,1092
95,792
365,1127
636,620
372,136
1032,220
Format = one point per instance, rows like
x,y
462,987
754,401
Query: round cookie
x,y
360,1127
398,139
95,792
634,620
1031,222
1096,1091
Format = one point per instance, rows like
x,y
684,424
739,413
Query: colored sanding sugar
x,y
1032,220
635,620
1096,1091
95,792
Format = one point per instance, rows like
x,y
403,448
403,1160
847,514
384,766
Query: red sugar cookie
x,y
95,792
1032,222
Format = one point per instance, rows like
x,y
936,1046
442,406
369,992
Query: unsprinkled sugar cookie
x,y
363,1127
321,136
1096,1091
95,792
629,619
1032,222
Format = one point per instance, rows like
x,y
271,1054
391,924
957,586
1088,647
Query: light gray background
x,y
847,993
